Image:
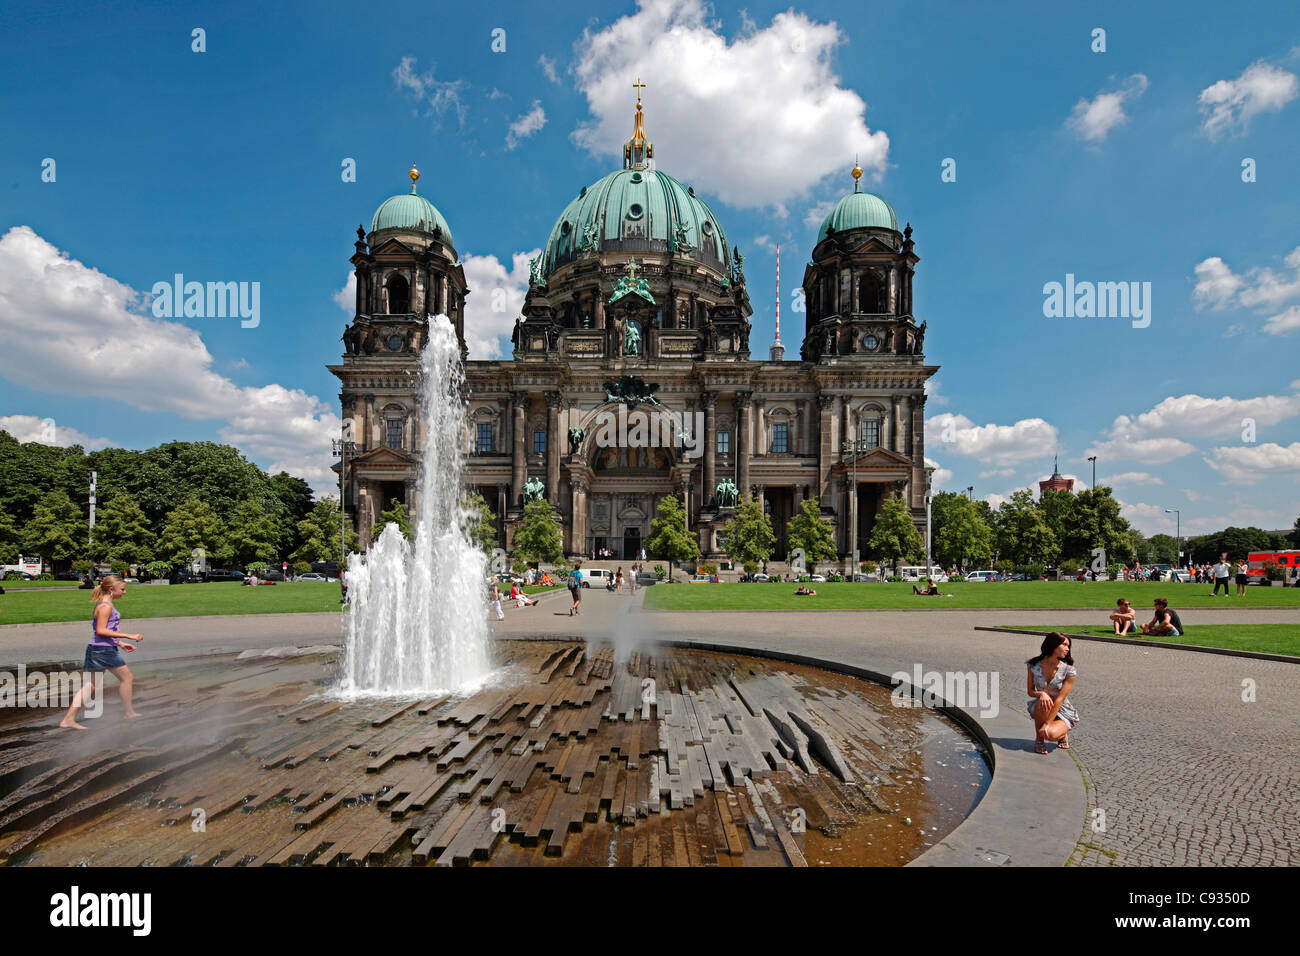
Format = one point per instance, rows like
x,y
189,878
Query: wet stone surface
x,y
565,757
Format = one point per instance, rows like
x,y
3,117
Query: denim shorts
x,y
101,657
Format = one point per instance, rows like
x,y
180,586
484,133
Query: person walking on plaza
x,y
1221,572
1051,679
494,598
618,581
575,589
1243,576
631,578
103,653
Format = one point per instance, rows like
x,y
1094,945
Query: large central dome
x,y
637,209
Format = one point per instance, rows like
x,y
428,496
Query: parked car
x,y
978,576
914,573
704,579
223,574
865,577
602,577
19,576
312,576
819,578
760,576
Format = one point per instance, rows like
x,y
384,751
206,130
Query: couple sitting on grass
x,y
1165,622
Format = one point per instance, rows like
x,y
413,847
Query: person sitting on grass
x,y
1165,622
519,597
931,589
1124,616
803,589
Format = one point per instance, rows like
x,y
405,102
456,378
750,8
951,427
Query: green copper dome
x,y
410,211
859,210
637,209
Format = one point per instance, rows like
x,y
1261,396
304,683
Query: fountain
x,y
417,623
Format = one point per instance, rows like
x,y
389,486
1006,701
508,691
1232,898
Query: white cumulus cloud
x,y
1130,478
434,97
46,431
98,341
1248,464
1230,105
997,445
1092,120
495,300
526,125
756,119
1261,289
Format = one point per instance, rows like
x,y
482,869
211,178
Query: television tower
x,y
778,350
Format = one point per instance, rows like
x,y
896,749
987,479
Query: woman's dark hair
x,y
1050,643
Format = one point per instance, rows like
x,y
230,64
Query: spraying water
x,y
418,618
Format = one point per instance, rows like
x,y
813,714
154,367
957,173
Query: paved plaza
x,y
1179,768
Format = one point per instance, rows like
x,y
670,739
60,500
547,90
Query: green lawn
x,y
7,585
1265,638
179,600
1021,594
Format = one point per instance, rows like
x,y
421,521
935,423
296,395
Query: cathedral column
x,y
826,446
917,484
905,426
893,291
744,444
503,495
553,402
519,471
899,428
412,496
760,435
685,490
710,402
600,310
887,427
578,526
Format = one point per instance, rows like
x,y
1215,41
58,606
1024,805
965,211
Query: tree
x,y
122,531
1295,534
193,526
669,537
56,531
1095,522
396,514
296,497
252,535
1022,533
963,536
1057,508
810,531
9,538
538,536
749,535
895,535
1163,546
481,523
319,534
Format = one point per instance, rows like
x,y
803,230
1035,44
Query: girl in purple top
x,y
103,653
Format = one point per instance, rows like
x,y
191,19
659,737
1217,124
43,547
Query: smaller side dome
x,y
859,210
410,211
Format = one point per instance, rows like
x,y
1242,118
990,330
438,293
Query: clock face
x,y
395,342
870,342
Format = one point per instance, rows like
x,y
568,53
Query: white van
x,y
596,577
913,574
978,576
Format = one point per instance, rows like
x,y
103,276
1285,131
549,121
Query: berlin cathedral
x,y
638,300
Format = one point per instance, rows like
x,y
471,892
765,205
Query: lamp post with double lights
x,y
343,447
855,448
929,485
1178,532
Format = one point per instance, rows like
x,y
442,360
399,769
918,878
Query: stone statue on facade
x,y
575,439
727,493
632,340
534,489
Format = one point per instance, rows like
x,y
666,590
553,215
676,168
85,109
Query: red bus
x,y
1288,561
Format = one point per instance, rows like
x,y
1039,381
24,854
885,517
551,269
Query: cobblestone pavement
x,y
1184,770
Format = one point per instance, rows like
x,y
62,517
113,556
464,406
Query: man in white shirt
x,y
1221,572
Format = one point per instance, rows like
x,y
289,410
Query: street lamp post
x,y
855,447
929,476
342,447
1178,532
1093,459
970,492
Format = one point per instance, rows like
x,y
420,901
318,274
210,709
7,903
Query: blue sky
x,y
1122,165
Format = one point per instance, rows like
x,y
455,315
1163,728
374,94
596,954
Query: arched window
x,y
394,426
871,294
399,294
872,425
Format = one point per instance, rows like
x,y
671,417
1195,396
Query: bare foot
x,y
68,724
133,714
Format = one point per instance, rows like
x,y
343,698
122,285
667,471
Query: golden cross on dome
x,y
639,87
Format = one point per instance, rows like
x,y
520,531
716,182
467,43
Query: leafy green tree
x,y
319,534
894,535
481,523
122,531
1095,522
9,538
749,535
1164,546
193,525
538,536
396,514
669,537
252,534
964,536
810,531
296,499
1057,508
1022,534
57,530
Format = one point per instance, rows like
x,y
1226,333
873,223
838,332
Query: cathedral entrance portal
x,y
631,543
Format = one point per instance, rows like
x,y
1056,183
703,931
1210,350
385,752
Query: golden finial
x,y
414,174
638,149
639,86
857,173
